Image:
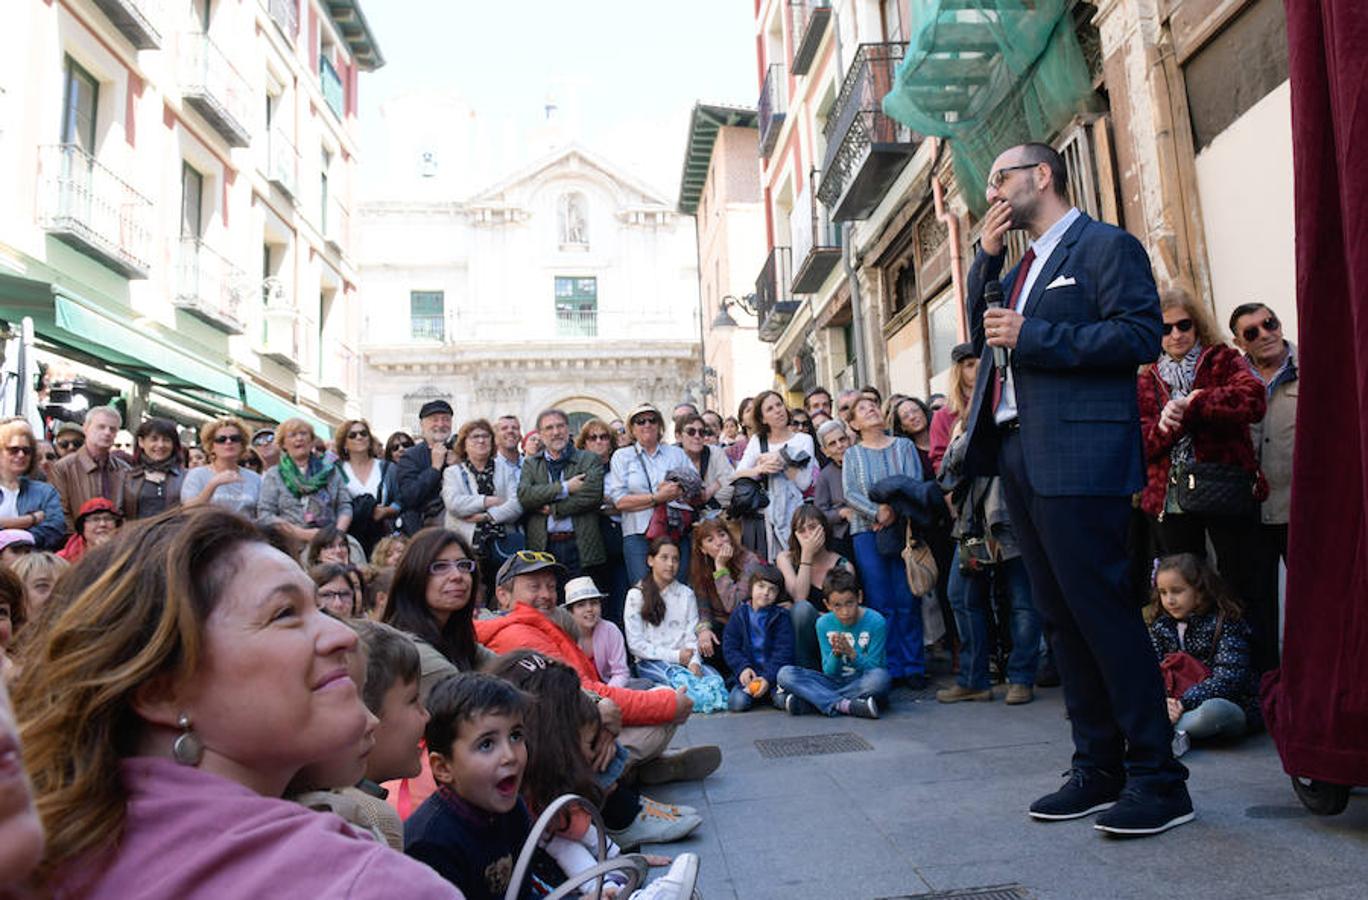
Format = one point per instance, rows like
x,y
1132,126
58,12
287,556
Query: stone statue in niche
x,y
574,225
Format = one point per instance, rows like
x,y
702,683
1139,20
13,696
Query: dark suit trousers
x,y
1075,553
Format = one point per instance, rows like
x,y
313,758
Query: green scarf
x,y
297,483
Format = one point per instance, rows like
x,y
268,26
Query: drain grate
x,y
1276,812
996,892
812,745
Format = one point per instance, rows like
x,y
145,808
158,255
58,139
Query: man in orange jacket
x,y
645,720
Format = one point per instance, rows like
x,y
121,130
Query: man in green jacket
x,y
562,488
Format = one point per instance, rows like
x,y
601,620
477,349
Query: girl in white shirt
x,y
661,621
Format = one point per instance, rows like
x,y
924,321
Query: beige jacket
x,y
1273,442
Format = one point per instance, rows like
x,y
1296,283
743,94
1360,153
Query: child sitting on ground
x,y
1203,645
600,639
661,618
471,830
758,641
853,680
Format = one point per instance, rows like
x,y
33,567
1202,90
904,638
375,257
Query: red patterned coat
x,y
1218,419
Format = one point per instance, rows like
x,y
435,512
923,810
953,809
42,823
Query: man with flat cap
x,y
420,469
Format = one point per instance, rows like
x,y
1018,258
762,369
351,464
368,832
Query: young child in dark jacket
x,y
758,641
1193,613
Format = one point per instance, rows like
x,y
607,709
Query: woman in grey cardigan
x,y
302,493
481,496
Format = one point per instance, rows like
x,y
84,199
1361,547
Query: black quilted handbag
x,y
1214,489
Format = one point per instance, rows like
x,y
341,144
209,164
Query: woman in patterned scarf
x,y
302,493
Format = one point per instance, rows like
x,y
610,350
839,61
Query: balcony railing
x,y
286,15
428,328
282,333
816,243
210,287
331,84
807,23
774,303
865,148
773,107
136,20
341,369
337,226
577,323
215,89
84,204
282,161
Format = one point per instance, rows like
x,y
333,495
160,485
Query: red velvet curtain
x,y
1317,703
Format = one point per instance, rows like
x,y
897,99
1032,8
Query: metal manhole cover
x,y
997,892
1276,812
812,745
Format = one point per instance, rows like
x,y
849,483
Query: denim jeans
x,y
740,701
970,596
1216,717
816,689
567,554
634,550
806,653
887,591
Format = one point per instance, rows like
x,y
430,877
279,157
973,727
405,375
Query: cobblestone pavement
x,y
939,803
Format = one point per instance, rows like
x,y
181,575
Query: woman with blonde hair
x,y
175,685
302,492
361,457
963,370
224,481
39,571
27,503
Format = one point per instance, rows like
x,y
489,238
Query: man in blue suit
x,y
1062,428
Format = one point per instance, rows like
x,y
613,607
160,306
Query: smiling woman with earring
x,y
179,679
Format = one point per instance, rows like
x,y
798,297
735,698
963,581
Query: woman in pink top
x,y
176,682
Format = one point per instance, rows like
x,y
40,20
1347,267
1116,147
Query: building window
x,y
427,315
573,219
576,307
81,96
192,202
943,320
325,163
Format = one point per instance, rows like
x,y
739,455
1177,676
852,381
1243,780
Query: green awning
x,y
277,409
133,349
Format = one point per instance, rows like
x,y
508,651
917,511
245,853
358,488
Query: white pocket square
x,y
1061,281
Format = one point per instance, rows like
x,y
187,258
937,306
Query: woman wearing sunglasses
x,y
432,599
26,502
374,510
1196,405
223,482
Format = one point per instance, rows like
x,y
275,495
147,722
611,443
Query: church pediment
x,y
570,163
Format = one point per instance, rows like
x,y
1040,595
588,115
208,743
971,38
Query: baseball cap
x,y
525,562
961,352
433,407
65,427
581,588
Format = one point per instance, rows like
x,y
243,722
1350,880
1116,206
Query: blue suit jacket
x,y
1092,319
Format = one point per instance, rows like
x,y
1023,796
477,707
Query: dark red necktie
x,y
1027,260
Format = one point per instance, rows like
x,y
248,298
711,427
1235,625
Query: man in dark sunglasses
x,y
1273,360
68,438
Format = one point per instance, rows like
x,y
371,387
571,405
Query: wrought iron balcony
x,y
341,369
210,287
84,204
136,20
282,332
774,303
282,161
331,84
807,23
576,322
286,15
816,243
215,89
772,108
865,148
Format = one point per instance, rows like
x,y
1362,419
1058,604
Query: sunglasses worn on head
x,y
1271,325
1183,325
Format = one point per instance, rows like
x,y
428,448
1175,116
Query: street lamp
x,y
724,318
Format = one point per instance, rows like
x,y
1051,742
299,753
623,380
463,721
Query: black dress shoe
x,y
1139,813
1087,791
1047,676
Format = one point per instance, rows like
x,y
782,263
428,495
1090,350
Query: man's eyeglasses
x,y
1271,325
646,420
19,451
233,438
353,435
262,440
337,596
995,180
71,444
447,566
1183,325
697,432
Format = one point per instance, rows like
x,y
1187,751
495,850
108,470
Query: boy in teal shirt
x,y
853,680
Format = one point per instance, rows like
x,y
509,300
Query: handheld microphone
x,y
992,295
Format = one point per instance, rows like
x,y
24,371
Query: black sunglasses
x,y
71,444
353,435
228,438
695,432
1183,325
1271,325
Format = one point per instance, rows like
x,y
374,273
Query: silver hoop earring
x,y
188,749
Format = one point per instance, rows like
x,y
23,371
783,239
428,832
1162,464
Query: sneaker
x,y
1047,675
864,708
679,883
959,692
791,704
1181,743
1018,694
1140,813
671,809
692,764
1087,791
651,826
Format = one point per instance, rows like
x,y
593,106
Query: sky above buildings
x,y
622,74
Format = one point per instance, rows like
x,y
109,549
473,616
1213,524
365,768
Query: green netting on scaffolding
x,y
988,74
